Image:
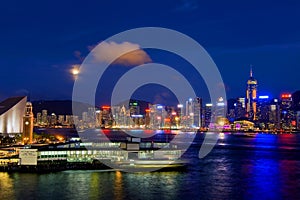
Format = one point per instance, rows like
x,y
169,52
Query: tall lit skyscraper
x,y
193,112
157,116
39,118
180,113
197,112
28,124
251,97
106,117
287,114
44,117
263,111
274,115
207,114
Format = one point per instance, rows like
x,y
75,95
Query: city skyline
x,y
170,96
39,51
172,99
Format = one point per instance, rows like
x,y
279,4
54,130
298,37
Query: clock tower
x,y
28,124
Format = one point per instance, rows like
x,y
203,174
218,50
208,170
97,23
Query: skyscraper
x,y
157,116
274,115
207,114
287,113
193,112
197,112
44,117
263,111
240,108
251,97
106,117
39,118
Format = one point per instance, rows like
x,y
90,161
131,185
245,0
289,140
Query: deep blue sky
x,y
38,39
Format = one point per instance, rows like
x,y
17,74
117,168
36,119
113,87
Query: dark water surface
x,y
261,167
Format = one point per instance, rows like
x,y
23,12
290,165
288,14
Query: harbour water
x,y
266,166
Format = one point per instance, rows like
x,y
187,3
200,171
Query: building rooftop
x,y
9,103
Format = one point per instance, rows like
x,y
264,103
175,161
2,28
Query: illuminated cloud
x,y
78,55
109,51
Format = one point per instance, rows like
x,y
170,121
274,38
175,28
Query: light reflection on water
x,y
6,186
261,167
90,185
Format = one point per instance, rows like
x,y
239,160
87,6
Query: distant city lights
x,y
180,106
137,116
106,107
286,96
264,97
221,104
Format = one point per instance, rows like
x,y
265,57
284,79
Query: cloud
x,y
22,92
261,48
78,55
187,5
163,98
113,52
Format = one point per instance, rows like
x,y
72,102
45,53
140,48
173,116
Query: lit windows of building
x,y
53,119
61,119
251,98
243,125
207,114
44,117
263,110
180,114
115,110
288,119
298,120
106,117
193,108
274,115
39,118
134,108
157,115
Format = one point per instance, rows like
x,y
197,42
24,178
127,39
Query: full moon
x,y
75,71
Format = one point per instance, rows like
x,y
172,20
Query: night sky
x,y
41,40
